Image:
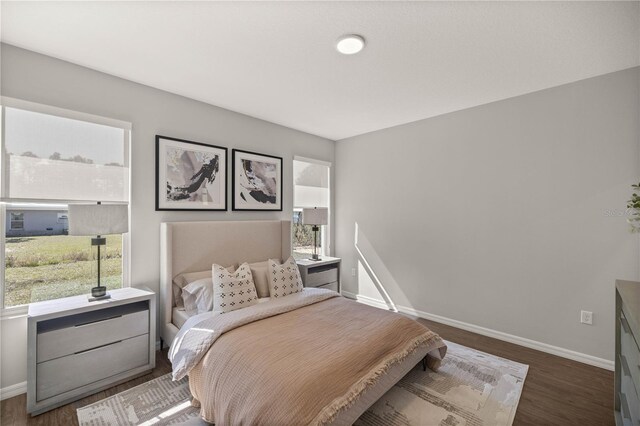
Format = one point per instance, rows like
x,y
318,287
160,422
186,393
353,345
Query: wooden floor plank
x,y
557,391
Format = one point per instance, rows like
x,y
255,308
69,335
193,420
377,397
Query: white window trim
x,y
312,161
22,310
326,235
11,228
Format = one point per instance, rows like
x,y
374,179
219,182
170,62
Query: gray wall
x,y
37,78
507,216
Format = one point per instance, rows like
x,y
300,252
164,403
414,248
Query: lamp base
x,y
98,293
96,299
315,257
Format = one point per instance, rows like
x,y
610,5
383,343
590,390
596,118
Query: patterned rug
x,y
471,388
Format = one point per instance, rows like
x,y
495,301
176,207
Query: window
x,y
51,158
17,221
310,189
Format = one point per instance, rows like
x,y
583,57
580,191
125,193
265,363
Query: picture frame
x,y
257,183
190,176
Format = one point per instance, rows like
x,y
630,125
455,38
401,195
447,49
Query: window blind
x,y
50,157
311,184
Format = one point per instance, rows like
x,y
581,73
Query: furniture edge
x,y
35,407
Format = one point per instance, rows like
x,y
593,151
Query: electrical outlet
x,y
353,272
586,317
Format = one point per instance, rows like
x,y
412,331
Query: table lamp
x,y
98,220
315,216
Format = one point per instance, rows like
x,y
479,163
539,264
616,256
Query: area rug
x,y
471,388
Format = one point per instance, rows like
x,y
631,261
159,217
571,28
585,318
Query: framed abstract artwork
x,y
257,181
190,175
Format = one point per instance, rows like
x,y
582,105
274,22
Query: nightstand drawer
x,y
70,372
321,275
629,352
624,411
91,334
628,390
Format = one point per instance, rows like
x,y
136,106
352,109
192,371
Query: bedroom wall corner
x,y
508,217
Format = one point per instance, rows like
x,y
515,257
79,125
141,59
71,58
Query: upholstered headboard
x,y
195,246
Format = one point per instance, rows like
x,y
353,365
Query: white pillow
x,y
233,290
189,277
284,279
198,296
190,301
177,296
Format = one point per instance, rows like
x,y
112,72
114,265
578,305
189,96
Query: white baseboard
x,y
13,390
533,344
367,300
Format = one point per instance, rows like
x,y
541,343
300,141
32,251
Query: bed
x,y
313,357
192,246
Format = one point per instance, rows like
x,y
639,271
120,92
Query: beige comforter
x,y
302,365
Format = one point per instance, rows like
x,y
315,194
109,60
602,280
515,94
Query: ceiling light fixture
x,y
350,44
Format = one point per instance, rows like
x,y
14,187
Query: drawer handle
x,y
624,406
321,268
625,366
97,347
100,320
625,324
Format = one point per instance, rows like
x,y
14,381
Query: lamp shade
x,y
315,216
98,219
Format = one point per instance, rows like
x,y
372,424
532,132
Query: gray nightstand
x,y
77,347
324,273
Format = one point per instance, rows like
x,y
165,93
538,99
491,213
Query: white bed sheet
x,y
179,316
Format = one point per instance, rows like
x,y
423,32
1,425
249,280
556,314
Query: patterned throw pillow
x,y
233,290
284,279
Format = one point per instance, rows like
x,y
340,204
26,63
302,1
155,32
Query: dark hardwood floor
x,y
556,391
